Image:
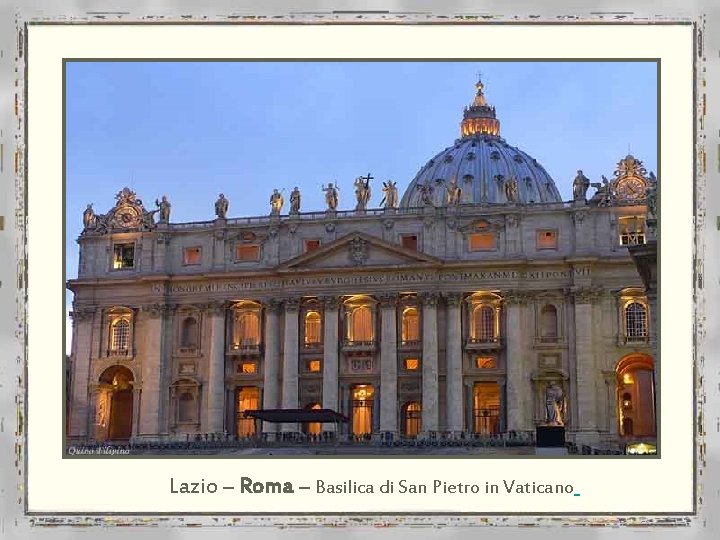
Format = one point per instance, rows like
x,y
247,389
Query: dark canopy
x,y
297,415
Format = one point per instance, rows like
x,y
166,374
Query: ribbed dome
x,y
485,168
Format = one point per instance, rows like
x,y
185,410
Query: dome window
x,y
448,158
495,155
518,158
470,156
468,178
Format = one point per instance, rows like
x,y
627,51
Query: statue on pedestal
x,y
89,217
295,201
331,196
391,194
453,193
426,192
580,186
221,206
276,203
163,209
362,192
554,405
511,190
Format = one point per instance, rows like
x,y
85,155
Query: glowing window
x,y
361,324
314,366
412,364
362,406
547,239
248,367
484,324
247,252
313,428
247,329
248,399
632,230
636,327
484,241
410,325
120,335
311,245
192,256
123,256
485,362
312,327
413,419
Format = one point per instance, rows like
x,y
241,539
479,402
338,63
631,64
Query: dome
x,y
485,168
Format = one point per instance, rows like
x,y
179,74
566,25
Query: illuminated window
x,y
412,364
410,325
246,330
192,256
547,239
484,241
120,335
362,408
313,328
248,368
247,252
313,428
636,328
123,256
485,362
361,324
409,241
189,332
247,399
484,324
632,230
314,366
311,245
486,408
413,419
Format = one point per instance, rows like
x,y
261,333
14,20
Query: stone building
x,y
450,311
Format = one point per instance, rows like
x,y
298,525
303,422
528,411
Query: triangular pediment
x,y
359,250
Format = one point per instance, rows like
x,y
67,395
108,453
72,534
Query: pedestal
x,y
550,437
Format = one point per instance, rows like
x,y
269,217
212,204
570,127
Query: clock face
x,y
126,217
630,188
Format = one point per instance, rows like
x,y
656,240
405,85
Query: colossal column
x,y
271,367
82,347
518,387
290,361
586,372
388,364
149,346
454,380
330,358
429,363
216,371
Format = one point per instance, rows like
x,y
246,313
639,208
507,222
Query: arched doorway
x,y
412,419
636,396
114,406
313,429
247,398
362,413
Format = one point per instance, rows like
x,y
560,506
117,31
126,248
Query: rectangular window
x,y
314,366
192,255
485,362
547,239
484,241
123,256
248,367
247,252
409,241
311,245
411,364
632,230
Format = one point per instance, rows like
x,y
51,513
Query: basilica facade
x,y
477,303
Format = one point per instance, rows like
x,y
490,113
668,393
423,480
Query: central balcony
x,y
484,343
246,348
353,346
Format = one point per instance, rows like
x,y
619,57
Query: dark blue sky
x,y
193,130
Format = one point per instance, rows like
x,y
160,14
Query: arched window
x,y
636,327
189,332
410,325
548,323
247,329
361,324
412,419
313,328
186,408
120,335
484,324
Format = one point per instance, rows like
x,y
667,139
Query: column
x,y
518,384
216,371
137,390
94,392
388,364
330,358
429,363
81,354
148,340
586,421
290,361
454,380
271,361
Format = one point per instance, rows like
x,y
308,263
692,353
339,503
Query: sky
x,y
192,130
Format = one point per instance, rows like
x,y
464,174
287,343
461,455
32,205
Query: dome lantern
x,y
479,117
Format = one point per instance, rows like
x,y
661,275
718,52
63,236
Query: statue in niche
x,y
391,194
652,201
89,217
580,186
554,405
163,209
295,201
453,193
362,192
276,203
221,206
331,196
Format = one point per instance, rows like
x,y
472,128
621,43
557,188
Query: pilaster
x,y
453,348
429,363
388,364
290,361
271,362
330,357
